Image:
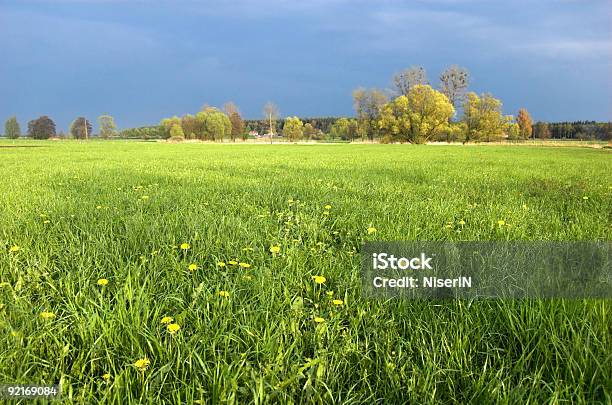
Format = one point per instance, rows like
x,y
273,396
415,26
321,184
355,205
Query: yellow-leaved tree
x,y
417,116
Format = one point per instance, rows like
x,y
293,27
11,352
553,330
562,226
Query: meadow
x,y
252,252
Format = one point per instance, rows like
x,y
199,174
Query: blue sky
x,y
141,61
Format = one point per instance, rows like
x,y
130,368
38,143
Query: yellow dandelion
x,y
224,294
501,222
371,230
98,207
338,302
585,197
185,246
244,265
193,267
46,221
14,249
275,249
166,320
221,264
142,364
319,279
173,328
233,262
106,377
329,293
102,282
290,201
327,207
325,212
47,315
318,319
462,222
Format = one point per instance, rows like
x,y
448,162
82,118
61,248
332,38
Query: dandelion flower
x,y
338,302
47,315
15,249
245,265
185,246
142,364
233,262
319,279
275,249
224,294
462,222
247,277
46,221
318,319
173,328
98,207
329,293
102,282
221,264
325,212
585,197
166,320
106,377
327,207
501,222
371,230
193,267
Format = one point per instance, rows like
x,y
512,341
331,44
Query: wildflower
x,y
318,319
275,249
14,249
233,262
585,197
102,282
142,364
329,293
106,377
166,320
325,212
327,207
185,246
247,249
224,294
501,222
221,264
173,328
47,315
247,277
46,221
462,222
290,201
319,279
98,207
244,265
448,226
371,230
338,302
193,267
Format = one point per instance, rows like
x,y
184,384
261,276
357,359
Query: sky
x,y
143,60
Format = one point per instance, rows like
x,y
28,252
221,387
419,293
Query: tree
x,y
309,131
12,130
340,129
41,128
107,126
229,108
176,132
293,128
270,112
483,118
453,84
416,117
80,128
189,125
541,130
237,125
368,104
214,123
408,78
523,119
168,123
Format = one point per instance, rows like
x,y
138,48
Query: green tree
x,y
168,123
41,128
214,123
483,118
176,132
524,121
107,126
417,117
80,128
12,130
340,129
293,128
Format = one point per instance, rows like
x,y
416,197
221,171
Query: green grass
x,y
261,344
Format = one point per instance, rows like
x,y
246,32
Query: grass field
x,y
76,212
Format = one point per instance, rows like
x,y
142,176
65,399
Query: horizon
x,y
141,62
